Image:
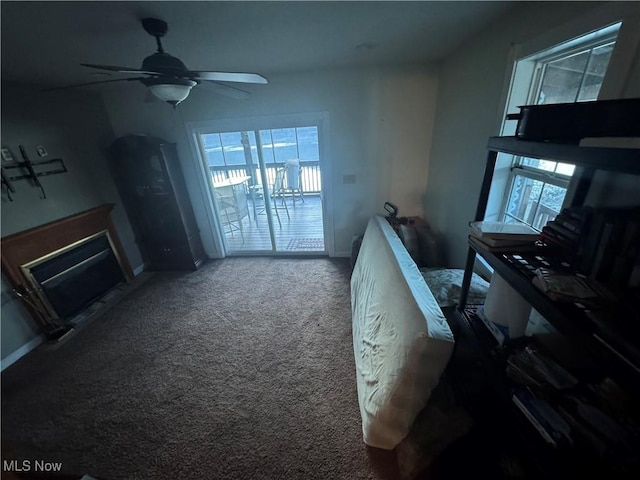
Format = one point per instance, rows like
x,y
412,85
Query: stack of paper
x,y
494,235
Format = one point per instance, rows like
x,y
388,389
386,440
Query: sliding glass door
x,y
267,189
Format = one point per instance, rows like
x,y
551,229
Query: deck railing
x,y
535,214
543,214
309,173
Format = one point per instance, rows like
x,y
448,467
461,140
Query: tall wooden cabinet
x,y
148,175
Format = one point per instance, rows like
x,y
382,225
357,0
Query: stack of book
x,y
546,420
615,439
601,243
577,420
599,418
568,229
502,236
532,368
612,248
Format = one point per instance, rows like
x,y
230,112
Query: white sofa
x,y
401,340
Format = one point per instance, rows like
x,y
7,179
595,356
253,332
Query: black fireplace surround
x,y
74,279
60,267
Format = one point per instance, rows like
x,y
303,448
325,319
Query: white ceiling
x,y
43,43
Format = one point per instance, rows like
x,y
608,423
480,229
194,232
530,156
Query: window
x,y
571,72
234,154
574,77
279,145
225,149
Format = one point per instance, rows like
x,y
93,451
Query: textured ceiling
x,y
43,43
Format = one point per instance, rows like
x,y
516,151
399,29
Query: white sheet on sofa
x,y
401,340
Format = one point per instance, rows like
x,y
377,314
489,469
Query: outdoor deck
x,y
302,232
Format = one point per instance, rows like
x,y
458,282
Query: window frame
x,y
543,62
588,42
212,242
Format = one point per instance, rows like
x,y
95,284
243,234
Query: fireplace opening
x,y
72,279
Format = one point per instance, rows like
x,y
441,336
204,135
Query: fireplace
x,y
77,275
61,267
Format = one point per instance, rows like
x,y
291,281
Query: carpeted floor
x,y
241,370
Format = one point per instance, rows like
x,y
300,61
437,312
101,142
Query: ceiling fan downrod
x,y
160,49
157,29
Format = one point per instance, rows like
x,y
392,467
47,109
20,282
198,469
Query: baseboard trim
x,y
22,351
341,254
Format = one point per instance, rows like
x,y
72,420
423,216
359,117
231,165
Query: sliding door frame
x,y
267,122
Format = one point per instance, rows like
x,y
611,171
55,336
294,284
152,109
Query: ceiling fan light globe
x,y
172,92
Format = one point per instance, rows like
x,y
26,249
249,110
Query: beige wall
x,y
380,131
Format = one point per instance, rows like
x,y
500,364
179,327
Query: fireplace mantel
x,y
23,247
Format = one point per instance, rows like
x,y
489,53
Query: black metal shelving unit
x,y
616,355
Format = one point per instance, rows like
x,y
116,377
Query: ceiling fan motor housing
x,y
166,64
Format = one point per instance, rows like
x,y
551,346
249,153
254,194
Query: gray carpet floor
x,y
241,370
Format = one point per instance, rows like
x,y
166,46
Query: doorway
x,y
266,186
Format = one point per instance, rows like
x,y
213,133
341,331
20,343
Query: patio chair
x,y
279,190
276,193
230,216
294,179
255,195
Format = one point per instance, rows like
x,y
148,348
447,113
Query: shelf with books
x,y
600,333
600,243
544,407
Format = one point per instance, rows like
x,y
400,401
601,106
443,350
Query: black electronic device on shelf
x,y
570,122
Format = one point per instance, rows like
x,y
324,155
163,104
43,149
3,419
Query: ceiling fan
x,y
166,77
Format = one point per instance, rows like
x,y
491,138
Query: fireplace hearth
x,y
60,268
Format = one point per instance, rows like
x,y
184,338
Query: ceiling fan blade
x,y
226,90
229,77
112,68
93,83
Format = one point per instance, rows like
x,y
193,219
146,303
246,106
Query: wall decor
x,y
7,156
6,184
28,169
